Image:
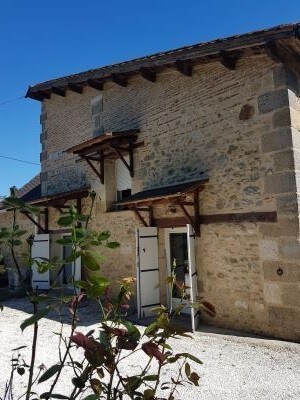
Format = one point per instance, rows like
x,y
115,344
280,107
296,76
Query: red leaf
x,y
152,350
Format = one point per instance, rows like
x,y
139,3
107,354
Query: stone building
x,y
194,156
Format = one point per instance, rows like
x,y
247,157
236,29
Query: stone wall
x,y
241,128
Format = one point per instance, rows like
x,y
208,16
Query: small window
x,y
123,180
97,108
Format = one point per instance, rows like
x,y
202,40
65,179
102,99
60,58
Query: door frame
x,y
168,231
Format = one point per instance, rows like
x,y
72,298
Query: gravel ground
x,y
234,366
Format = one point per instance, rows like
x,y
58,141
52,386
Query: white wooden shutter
x,y
147,271
123,178
192,276
40,248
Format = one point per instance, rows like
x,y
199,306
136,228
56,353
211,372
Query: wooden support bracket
x,y
95,84
58,91
99,174
194,221
185,67
118,150
44,230
137,211
228,60
119,80
149,74
75,88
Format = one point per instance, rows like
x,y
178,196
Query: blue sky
x,y
40,40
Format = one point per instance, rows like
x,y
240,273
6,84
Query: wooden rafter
x,y
228,59
75,88
185,67
58,91
149,74
119,80
193,220
95,84
100,173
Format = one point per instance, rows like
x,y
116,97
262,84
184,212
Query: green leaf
x,y
81,284
92,259
65,240
91,397
194,378
65,220
150,378
34,318
187,369
132,330
53,396
191,357
112,245
49,373
105,235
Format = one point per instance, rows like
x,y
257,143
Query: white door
x,y
192,277
40,249
147,271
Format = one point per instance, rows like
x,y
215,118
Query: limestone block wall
x,y
241,129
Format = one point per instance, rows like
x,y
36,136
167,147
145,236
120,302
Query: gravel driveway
x,y
234,367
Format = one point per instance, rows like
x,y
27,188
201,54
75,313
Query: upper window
x,y
97,108
123,180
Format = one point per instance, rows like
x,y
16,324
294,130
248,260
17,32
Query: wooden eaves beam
x,y
58,91
228,59
96,84
149,74
119,80
185,67
138,210
75,88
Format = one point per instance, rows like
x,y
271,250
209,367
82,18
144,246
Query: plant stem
x,y
73,327
33,352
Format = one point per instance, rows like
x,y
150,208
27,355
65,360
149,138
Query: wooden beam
x,y
58,91
34,221
100,176
267,216
43,94
75,88
95,84
149,74
47,219
196,212
138,214
120,155
228,59
273,51
119,80
261,217
185,67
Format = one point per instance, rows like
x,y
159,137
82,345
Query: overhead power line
x,y
11,100
17,159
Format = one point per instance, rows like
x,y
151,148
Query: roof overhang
x,y
59,199
280,42
163,194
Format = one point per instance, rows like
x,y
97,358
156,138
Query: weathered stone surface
x,y
290,271
281,118
291,295
43,155
271,101
44,176
287,204
275,316
273,293
290,249
268,249
280,183
284,227
283,76
277,140
284,160
43,136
